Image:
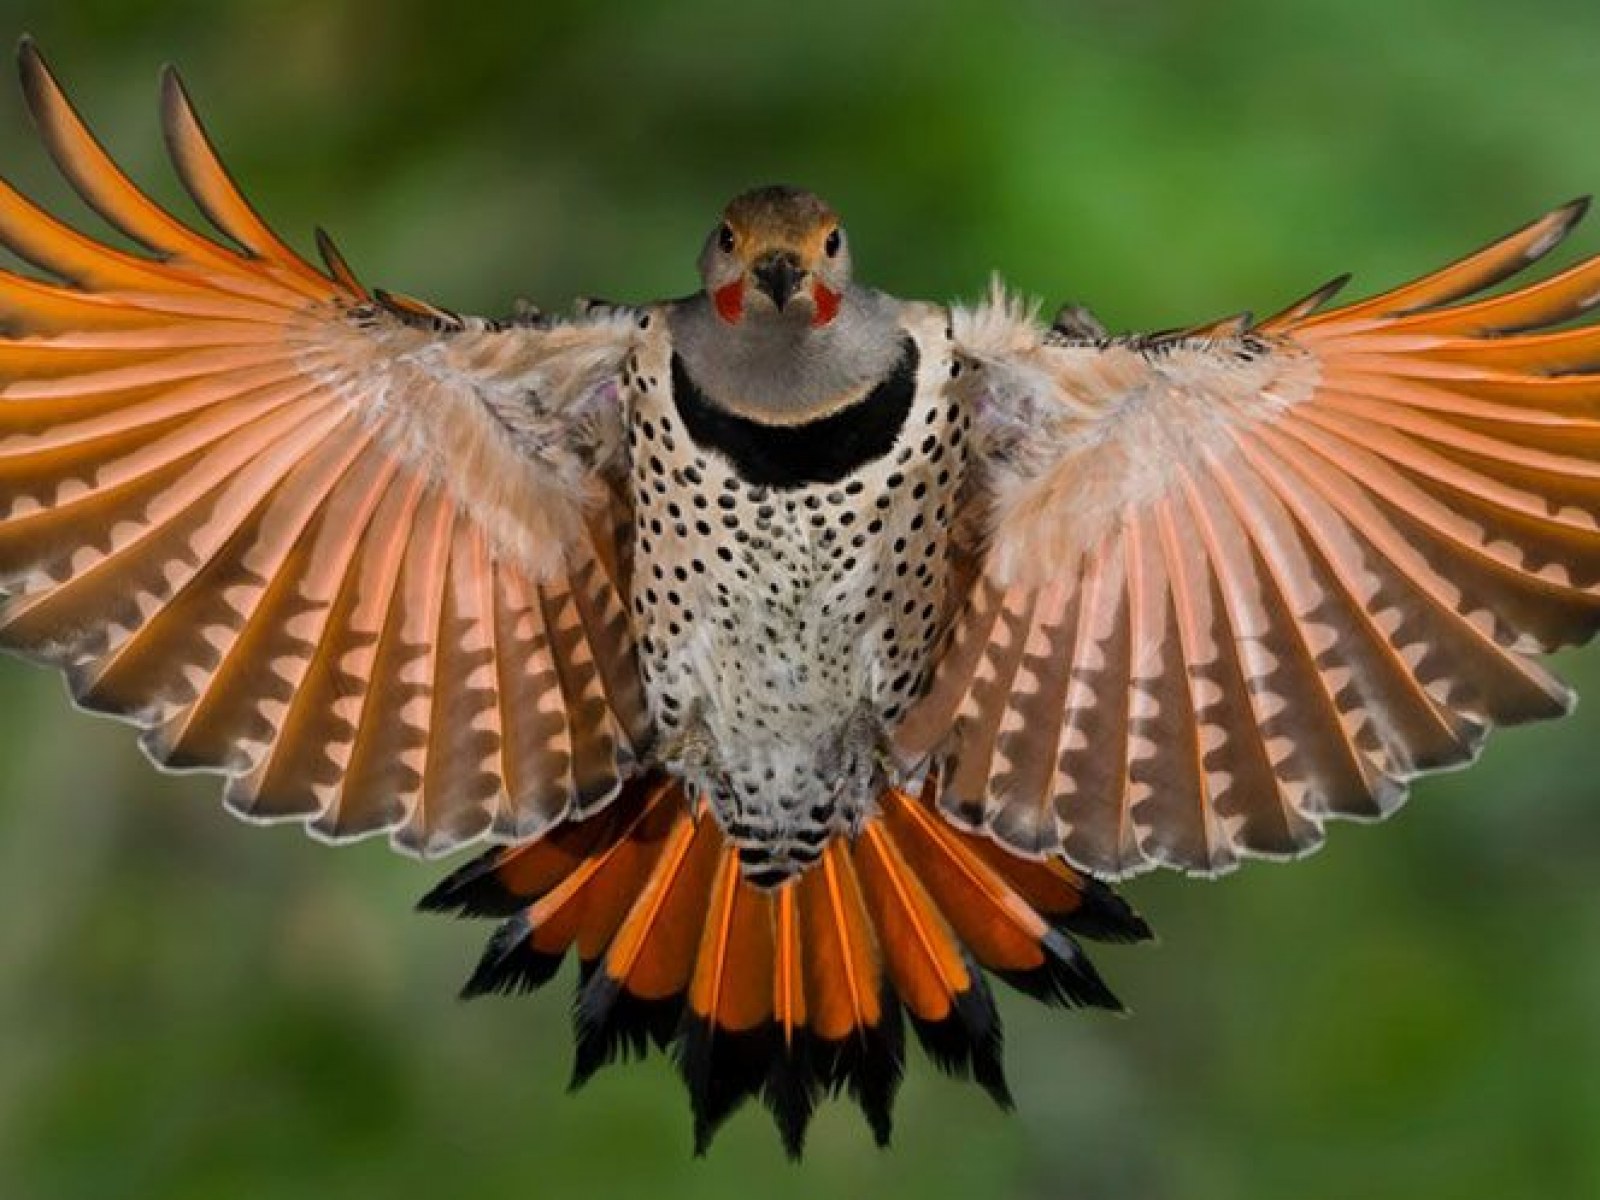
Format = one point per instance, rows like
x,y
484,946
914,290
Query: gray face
x,y
778,256
782,335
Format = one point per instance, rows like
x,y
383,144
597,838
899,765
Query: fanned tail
x,y
792,995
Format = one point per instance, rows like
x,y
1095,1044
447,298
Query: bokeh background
x,y
190,1008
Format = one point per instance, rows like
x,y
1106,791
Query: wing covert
x,y
1242,579
359,555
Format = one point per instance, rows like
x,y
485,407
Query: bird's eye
x,y
834,242
725,239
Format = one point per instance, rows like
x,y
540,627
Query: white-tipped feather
x,y
193,525
518,425
1073,438
1321,552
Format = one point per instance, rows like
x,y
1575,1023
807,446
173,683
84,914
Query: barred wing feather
x,y
356,555
1240,580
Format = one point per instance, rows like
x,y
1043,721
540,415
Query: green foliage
x,y
192,1009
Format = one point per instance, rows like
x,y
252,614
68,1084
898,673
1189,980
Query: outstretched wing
x,y
354,553
1239,580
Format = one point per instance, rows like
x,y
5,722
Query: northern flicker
x,y
807,655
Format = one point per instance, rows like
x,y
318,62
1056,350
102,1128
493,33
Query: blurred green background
x,y
189,1008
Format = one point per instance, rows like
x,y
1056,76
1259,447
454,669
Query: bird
x,y
798,658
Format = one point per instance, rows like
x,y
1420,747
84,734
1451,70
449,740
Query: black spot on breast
x,y
791,456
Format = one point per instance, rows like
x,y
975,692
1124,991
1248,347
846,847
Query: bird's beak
x,y
778,274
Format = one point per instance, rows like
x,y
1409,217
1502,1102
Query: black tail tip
x,y
510,964
611,1024
1104,916
474,890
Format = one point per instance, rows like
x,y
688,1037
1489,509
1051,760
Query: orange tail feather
x,y
794,994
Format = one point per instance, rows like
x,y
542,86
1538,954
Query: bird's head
x,y
778,256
